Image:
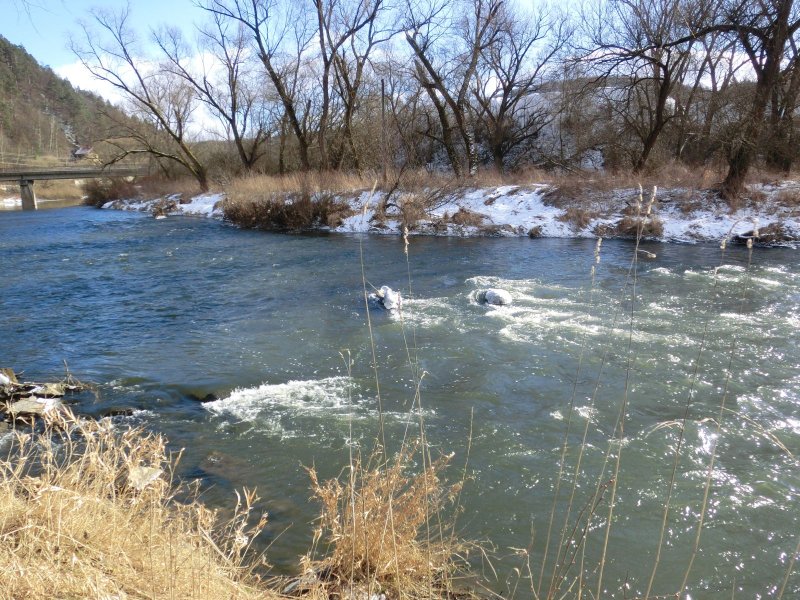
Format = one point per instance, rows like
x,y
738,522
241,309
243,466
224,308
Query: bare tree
x,y
447,50
158,99
713,70
781,151
339,22
510,77
634,47
350,62
224,82
281,36
765,29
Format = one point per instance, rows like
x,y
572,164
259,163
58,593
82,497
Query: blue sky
x,y
43,27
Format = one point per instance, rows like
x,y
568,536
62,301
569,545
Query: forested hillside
x,y
42,117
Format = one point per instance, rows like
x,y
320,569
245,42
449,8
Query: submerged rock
x,y
494,296
387,298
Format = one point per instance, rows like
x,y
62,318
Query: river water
x,y
160,313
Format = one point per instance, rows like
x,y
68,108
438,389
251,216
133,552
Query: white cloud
x,y
80,77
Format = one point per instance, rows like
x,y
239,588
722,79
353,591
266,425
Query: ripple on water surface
x,y
163,314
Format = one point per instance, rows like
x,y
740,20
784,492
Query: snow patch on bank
x,y
508,211
684,215
204,205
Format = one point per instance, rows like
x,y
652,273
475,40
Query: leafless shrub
x,y
281,212
467,218
100,191
579,217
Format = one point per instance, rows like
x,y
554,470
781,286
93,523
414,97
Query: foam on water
x,y
312,396
272,407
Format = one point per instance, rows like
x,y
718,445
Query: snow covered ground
x,y
204,205
677,215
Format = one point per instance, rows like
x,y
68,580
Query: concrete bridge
x,y
27,177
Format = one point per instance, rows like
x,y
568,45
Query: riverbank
x,y
771,212
92,508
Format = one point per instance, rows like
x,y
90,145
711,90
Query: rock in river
x,y
494,296
387,298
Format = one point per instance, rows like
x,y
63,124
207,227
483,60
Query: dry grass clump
x,y
100,191
633,227
259,187
59,189
156,186
579,217
87,511
788,197
286,213
467,218
774,233
383,529
290,202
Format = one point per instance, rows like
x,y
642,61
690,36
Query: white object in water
x,y
387,298
390,298
494,296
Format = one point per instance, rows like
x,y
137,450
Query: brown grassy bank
x,y
91,511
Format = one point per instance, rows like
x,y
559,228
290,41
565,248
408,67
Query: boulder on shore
x,y
494,296
32,406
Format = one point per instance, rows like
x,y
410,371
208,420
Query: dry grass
x,y
59,189
74,525
100,191
633,227
90,511
788,197
291,202
467,218
383,532
292,212
259,187
574,186
579,217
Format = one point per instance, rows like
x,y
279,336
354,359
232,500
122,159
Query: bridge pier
x,y
27,194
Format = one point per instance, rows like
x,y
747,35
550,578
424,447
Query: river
x,y
161,313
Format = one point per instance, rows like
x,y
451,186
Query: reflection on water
x,y
163,313
9,202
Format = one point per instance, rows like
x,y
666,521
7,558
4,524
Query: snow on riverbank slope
x,y
204,205
678,215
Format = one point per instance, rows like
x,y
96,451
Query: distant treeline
x,y
41,114
457,84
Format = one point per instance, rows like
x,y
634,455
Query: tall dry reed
x,y
89,511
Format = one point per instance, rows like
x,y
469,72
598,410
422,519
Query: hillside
x,y
42,117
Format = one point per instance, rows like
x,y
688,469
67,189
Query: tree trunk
x,y
743,155
282,147
768,75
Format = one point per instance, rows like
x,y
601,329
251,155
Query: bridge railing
x,y
39,174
